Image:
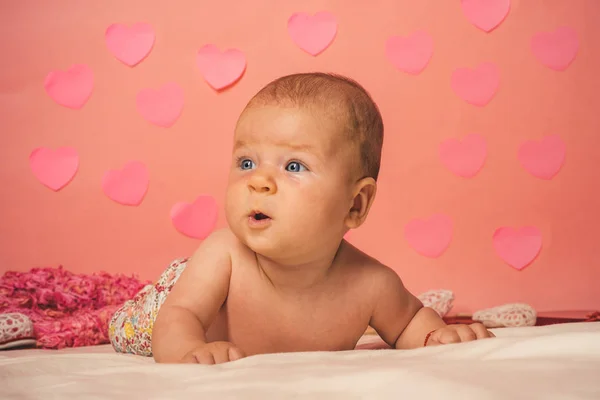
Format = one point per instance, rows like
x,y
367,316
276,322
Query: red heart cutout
x,y
72,88
430,237
410,54
543,159
518,248
464,158
130,45
476,86
127,186
312,33
556,50
485,14
220,70
196,220
54,168
163,106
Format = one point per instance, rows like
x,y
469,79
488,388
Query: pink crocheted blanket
x,y
67,309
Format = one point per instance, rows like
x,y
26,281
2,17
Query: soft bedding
x,y
548,362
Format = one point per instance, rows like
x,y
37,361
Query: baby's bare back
x,y
259,318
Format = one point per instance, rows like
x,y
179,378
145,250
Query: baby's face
x,y
290,185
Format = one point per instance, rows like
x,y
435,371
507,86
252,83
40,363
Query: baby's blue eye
x,y
246,164
295,166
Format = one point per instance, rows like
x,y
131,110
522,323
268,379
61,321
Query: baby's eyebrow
x,y
297,147
238,144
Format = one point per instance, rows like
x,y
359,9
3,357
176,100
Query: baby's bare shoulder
x,y
224,242
217,248
203,285
222,235
220,241
370,274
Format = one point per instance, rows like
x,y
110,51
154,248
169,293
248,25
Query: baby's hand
x,y
458,333
213,353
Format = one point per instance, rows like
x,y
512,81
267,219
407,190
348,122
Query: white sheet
x,y
551,362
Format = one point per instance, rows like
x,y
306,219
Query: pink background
x,y
83,230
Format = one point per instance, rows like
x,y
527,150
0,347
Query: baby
x,y
281,278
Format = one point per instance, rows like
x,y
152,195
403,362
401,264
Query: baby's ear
x,y
364,194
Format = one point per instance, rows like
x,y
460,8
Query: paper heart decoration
x,y
312,33
543,159
555,50
71,88
518,248
485,14
196,220
476,86
220,70
130,45
430,237
410,54
127,186
54,168
464,158
162,106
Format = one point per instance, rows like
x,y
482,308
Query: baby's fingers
x,y
189,358
445,336
466,333
224,353
481,331
204,357
235,353
198,357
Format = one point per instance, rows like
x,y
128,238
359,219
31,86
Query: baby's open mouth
x,y
259,216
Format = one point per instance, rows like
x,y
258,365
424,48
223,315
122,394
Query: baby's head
x,y
306,157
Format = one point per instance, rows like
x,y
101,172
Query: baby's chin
x,y
263,245
256,242
268,244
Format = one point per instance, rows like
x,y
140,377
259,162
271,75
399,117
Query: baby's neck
x,y
297,278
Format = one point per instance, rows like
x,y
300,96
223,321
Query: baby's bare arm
x,y
403,322
399,317
194,301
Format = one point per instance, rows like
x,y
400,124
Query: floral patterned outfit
x,y
130,329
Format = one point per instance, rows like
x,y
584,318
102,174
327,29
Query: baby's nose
x,y
262,183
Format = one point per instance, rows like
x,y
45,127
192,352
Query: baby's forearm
x,y
176,332
424,321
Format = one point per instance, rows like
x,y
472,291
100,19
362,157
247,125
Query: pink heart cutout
x,y
161,107
312,33
430,237
464,158
476,86
556,50
127,186
410,54
485,14
518,248
72,88
130,45
54,168
220,70
543,159
196,220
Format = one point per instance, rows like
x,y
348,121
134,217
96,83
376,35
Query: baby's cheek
x,y
326,207
233,201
